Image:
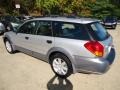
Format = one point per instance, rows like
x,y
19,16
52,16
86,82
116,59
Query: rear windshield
x,y
97,31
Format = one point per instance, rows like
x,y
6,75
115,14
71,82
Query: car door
x,y
24,37
43,40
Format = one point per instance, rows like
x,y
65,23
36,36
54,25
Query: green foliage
x,y
7,5
101,8
95,8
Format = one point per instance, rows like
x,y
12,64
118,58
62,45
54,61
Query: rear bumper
x,y
94,65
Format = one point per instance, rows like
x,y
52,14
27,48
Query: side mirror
x,y
15,30
8,28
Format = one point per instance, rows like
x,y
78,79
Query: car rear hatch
x,y
108,44
100,34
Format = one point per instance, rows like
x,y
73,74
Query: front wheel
x,y
1,33
114,26
9,46
61,65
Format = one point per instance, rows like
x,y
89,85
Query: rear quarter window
x,y
97,31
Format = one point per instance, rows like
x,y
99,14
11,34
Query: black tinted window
x,y
111,19
44,28
70,30
28,28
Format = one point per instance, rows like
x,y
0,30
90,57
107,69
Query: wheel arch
x,y
8,38
5,38
62,51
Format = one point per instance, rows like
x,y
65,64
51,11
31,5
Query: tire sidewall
x,y
64,58
11,52
114,26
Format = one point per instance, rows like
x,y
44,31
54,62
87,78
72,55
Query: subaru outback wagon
x,y
70,45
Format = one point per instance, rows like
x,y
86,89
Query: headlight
x,y
114,23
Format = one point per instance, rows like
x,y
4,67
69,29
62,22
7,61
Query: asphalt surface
x,y
22,72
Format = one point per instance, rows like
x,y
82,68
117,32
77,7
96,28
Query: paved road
x,y
22,72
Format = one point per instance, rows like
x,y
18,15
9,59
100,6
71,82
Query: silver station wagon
x,y
70,45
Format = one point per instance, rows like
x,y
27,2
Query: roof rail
x,y
52,16
67,16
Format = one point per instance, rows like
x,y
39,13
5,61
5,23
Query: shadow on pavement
x,y
57,83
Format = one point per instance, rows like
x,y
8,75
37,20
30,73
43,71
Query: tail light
x,y
95,47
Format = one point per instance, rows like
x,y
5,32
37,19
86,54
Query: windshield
x,y
97,31
108,19
15,20
12,19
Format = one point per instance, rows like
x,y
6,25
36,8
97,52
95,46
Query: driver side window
x,y
28,28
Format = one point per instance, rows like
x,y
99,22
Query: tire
x,y
8,46
61,65
114,26
1,33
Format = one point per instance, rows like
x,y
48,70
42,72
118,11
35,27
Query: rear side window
x,y
70,30
97,31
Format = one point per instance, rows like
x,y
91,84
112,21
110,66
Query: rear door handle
x,y
26,38
49,41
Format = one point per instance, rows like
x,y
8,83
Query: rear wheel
x,y
61,65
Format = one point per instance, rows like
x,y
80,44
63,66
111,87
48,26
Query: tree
x,y
7,5
96,8
101,8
